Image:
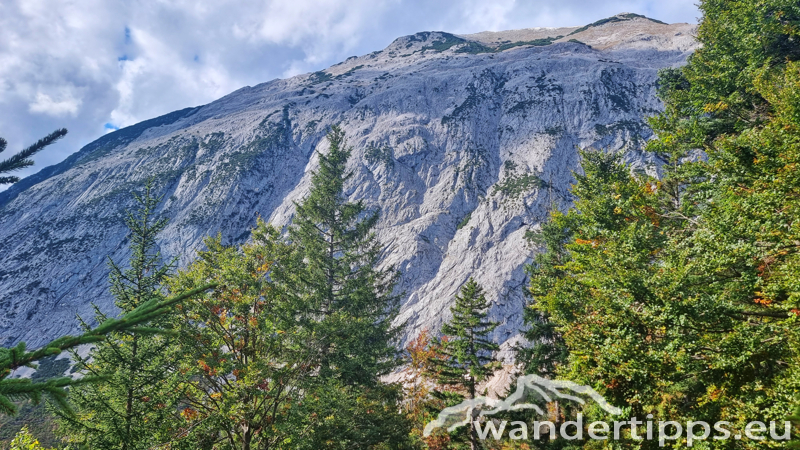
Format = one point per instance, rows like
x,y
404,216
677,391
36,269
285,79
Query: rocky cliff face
x,y
463,142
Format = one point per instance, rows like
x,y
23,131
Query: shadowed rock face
x,y
463,142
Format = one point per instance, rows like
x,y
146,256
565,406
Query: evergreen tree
x,y
348,306
19,389
466,354
678,296
349,302
137,394
22,159
545,349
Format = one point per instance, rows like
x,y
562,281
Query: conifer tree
x,y
19,389
466,351
545,349
22,159
137,395
350,303
349,306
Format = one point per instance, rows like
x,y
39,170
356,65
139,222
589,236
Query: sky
x,y
93,66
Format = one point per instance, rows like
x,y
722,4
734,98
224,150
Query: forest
x,y
674,296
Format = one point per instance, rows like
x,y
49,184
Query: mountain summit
x,y
463,142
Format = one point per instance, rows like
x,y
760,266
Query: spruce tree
x,y
137,395
466,357
22,159
348,307
349,301
545,349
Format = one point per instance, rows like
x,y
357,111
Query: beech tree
x,y
241,357
677,295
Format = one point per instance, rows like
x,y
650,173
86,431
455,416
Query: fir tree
x,y
349,301
22,159
126,410
466,351
349,307
545,349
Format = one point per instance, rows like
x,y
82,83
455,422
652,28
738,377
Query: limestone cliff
x,y
463,142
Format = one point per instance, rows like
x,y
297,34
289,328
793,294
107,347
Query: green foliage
x,y
348,307
349,72
716,92
465,357
336,416
795,418
446,41
50,367
464,221
466,354
545,349
19,389
39,420
287,350
24,440
380,154
241,355
136,395
22,159
678,296
474,48
513,186
319,77
536,43
618,18
351,301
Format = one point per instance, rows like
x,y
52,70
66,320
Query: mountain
x,y
463,142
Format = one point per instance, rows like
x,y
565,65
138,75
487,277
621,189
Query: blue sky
x,y
96,65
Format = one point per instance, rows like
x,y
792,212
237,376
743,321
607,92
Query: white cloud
x,y
65,105
83,64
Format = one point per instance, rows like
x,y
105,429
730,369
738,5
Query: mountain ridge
x,y
462,149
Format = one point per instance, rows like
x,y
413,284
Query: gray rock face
x,y
462,142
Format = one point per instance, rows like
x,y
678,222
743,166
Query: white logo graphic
x,y
527,387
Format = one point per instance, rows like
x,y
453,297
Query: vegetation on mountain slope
x,y
675,297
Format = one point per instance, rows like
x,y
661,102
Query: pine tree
x,y
350,303
137,395
466,351
22,159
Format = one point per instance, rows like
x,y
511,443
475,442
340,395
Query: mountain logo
x,y
529,387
